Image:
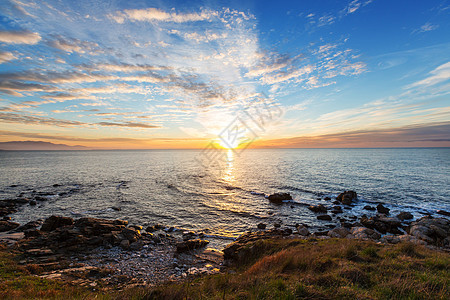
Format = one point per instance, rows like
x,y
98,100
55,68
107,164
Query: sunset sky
x,y
178,74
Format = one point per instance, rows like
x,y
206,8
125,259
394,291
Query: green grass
x,y
278,269
324,269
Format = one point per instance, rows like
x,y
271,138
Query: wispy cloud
x,y
427,27
157,15
19,37
6,56
438,75
75,45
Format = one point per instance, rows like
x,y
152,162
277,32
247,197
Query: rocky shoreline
x,y
103,253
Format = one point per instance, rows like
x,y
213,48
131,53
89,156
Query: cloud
x,y
74,45
57,77
420,135
428,27
19,37
123,67
26,119
157,15
6,56
12,87
129,124
438,75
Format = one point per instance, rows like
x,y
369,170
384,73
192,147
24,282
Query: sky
x,y
264,74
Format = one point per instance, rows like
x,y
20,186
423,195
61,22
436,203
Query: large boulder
x,y
382,209
55,222
278,198
435,231
302,230
382,224
339,232
404,215
347,197
364,233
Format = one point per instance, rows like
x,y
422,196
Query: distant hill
x,y
36,145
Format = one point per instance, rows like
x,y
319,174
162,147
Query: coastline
x,y
119,255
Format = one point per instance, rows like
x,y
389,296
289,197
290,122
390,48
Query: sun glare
x,y
229,144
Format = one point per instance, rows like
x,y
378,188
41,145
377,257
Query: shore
x,y
105,255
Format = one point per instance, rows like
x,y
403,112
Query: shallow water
x,y
171,186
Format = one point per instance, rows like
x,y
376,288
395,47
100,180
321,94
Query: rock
x,y
130,234
444,213
302,230
368,207
125,244
324,217
318,208
33,202
435,231
338,233
189,235
382,224
336,209
55,222
277,225
136,245
321,233
405,216
364,233
261,226
190,245
243,246
29,225
347,197
116,208
382,210
278,198
8,225
137,227
154,228
287,231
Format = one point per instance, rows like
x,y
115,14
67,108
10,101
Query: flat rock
x,y
55,222
8,225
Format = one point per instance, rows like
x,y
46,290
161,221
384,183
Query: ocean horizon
x,y
227,197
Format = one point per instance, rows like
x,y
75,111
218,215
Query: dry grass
x,y
17,282
329,269
278,269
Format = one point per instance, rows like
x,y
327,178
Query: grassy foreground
x,y
281,269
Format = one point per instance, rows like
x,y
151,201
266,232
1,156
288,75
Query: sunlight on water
x,y
228,174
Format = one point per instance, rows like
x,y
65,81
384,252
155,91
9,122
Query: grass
x,y
17,282
324,269
279,269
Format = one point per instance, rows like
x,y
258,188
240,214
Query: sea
x,y
223,193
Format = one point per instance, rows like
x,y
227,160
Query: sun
x,y
231,144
